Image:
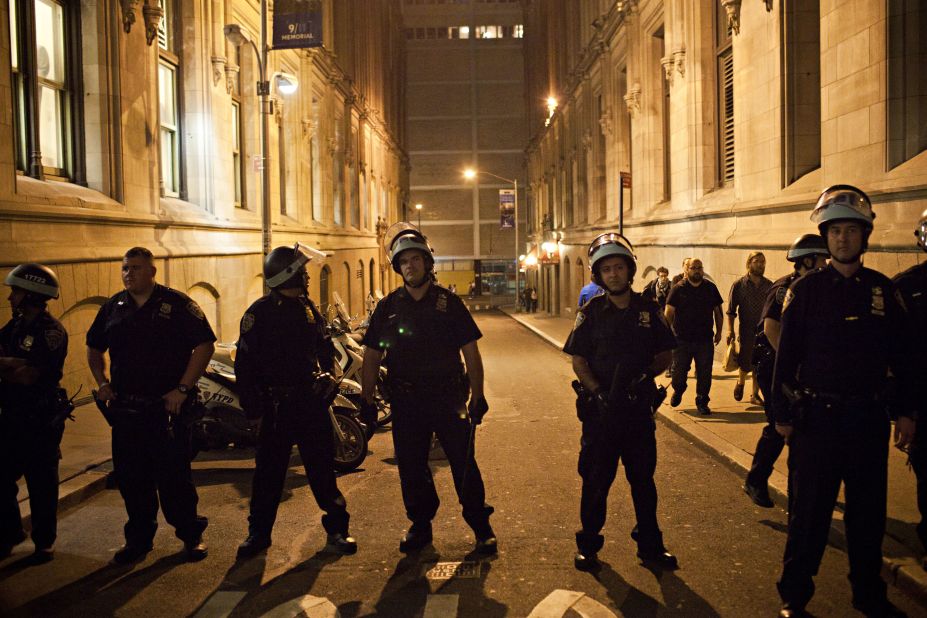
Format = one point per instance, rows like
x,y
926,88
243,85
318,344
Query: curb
x,y
75,490
903,571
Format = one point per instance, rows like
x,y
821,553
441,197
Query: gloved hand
x,y
639,381
368,414
600,396
324,387
477,408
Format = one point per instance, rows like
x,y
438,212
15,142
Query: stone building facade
x,y
138,123
465,109
709,127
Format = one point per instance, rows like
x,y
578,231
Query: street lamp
x,y
286,84
418,207
470,174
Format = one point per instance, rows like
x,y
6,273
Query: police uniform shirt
x,y
149,346
695,307
840,336
772,309
911,285
421,339
283,341
606,335
43,343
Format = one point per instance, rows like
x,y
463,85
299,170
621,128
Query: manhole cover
x,y
459,570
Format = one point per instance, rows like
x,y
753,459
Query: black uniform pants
x,y
918,460
311,430
415,421
31,451
702,352
631,440
152,465
848,445
770,444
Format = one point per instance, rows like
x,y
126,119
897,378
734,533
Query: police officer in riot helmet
x,y
283,366
33,346
912,286
619,342
159,343
807,253
420,330
842,330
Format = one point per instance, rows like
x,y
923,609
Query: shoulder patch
x,y
580,318
247,321
195,310
781,293
310,317
789,297
54,337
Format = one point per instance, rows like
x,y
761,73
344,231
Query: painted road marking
x,y
441,606
221,604
559,602
224,602
457,570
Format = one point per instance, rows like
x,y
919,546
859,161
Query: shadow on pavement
x,y
679,599
407,589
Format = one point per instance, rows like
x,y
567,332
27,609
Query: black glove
x,y
368,414
600,396
478,407
324,388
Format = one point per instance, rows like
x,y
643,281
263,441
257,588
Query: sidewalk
x,y
730,434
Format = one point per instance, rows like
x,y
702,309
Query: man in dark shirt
x,y
842,331
420,330
807,253
658,290
283,367
33,346
159,344
748,294
690,309
619,343
912,287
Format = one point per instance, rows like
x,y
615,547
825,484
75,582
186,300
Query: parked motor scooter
x,y
221,421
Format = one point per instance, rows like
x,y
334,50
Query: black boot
x,y
341,543
195,549
759,495
418,537
131,553
252,546
586,561
653,553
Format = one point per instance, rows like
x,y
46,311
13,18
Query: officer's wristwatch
x,y
183,388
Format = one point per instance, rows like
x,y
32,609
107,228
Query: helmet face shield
x,y
842,202
921,231
406,236
805,245
301,255
610,243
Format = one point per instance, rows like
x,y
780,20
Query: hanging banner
x,y
506,209
297,24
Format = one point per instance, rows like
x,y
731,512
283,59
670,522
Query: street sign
x,y
625,180
297,24
506,209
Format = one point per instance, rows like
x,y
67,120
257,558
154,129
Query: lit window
x,y
465,32
168,102
519,31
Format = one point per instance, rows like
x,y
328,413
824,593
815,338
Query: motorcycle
x,y
220,419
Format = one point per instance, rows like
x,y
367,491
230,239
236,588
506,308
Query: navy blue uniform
x,y
149,349
283,342
30,433
912,286
607,337
421,341
840,336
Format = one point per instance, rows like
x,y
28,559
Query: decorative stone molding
x,y
332,146
633,100
231,77
152,14
309,127
606,121
768,5
218,64
680,57
732,7
668,65
128,14
628,7
276,106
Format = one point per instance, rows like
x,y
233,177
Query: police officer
x,y
807,253
842,330
159,344
282,364
911,285
619,343
420,330
33,346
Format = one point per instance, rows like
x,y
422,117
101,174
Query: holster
x,y
586,408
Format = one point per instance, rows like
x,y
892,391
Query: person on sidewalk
x,y
658,290
679,278
746,298
619,343
33,346
842,331
283,367
912,286
589,290
159,344
807,253
690,309
533,299
420,330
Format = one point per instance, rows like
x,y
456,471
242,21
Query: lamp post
x,y
471,174
418,207
287,84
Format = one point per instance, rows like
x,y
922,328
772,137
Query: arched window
x,y
325,293
372,281
347,286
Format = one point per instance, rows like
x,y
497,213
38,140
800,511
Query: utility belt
x,y
763,353
46,410
147,408
454,389
650,400
806,402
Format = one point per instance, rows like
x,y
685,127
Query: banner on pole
x,y
506,209
297,24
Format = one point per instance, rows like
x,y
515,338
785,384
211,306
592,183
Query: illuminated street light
x,y
418,207
285,82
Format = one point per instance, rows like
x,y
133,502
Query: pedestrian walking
x,y
690,308
679,278
159,344
619,343
842,331
420,330
807,253
589,290
533,299
33,408
471,290
912,286
283,366
658,290
747,296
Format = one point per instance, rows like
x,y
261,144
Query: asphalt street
x,y
729,550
